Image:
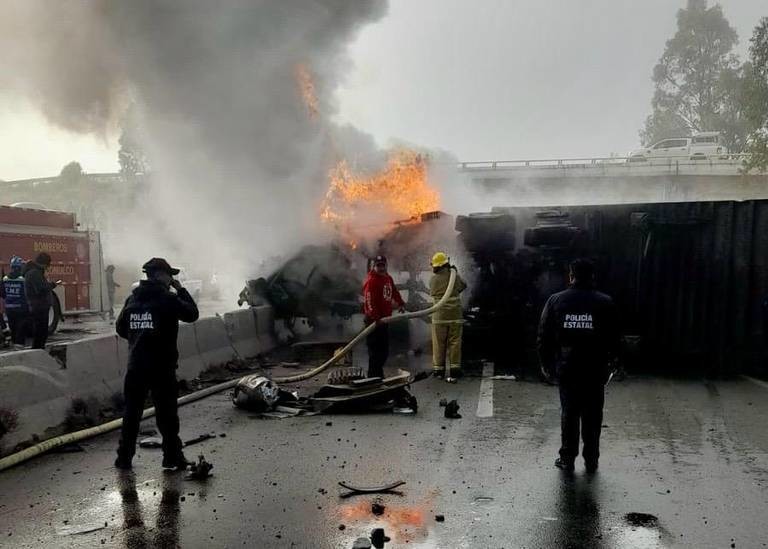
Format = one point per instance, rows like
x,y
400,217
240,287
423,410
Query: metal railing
x,y
600,162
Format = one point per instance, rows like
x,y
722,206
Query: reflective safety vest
x,y
13,290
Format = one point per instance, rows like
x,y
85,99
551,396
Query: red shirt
x,y
379,295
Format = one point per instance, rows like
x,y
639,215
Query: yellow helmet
x,y
439,259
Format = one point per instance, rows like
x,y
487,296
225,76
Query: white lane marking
x,y
756,381
485,400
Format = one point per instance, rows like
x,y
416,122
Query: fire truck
x,y
76,257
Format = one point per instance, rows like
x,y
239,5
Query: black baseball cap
x,y
379,259
159,264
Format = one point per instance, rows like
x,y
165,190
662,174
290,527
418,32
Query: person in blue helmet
x,y
14,297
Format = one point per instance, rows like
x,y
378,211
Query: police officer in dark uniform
x,y
150,322
578,340
15,299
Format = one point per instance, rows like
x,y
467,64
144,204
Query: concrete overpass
x,y
615,180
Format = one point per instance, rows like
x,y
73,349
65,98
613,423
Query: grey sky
x,y
507,79
484,79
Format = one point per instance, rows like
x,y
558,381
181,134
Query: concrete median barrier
x,y
265,327
190,363
93,366
213,343
33,387
38,387
241,329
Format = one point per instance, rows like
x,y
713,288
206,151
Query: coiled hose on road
x,y
69,438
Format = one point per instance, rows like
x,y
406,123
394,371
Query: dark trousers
x,y
378,350
18,322
111,300
39,319
164,391
581,409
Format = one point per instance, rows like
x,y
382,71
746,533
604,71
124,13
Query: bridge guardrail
x,y
730,160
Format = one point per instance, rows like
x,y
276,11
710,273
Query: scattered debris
x,y
384,489
642,519
151,442
439,518
403,410
369,394
200,470
451,409
379,538
378,508
342,376
362,543
82,529
199,438
70,448
256,393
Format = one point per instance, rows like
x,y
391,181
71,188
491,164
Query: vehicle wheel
x,y
54,315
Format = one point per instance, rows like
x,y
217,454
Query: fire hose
x,y
69,438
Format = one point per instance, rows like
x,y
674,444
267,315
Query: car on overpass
x,y
701,146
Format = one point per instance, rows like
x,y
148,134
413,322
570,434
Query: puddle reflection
x,y
165,534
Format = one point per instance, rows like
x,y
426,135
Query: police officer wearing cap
x,y
578,340
150,322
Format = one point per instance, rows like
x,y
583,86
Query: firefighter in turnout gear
x,y
448,322
578,340
150,322
380,296
12,292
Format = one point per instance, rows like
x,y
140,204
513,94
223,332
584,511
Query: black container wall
x,y
688,277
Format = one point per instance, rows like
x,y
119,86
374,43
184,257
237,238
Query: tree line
x,y
702,85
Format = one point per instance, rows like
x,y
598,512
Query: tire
x,y
54,315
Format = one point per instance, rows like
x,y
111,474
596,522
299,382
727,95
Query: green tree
x,y
71,173
696,78
131,156
755,99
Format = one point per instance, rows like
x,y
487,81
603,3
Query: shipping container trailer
x,y
689,277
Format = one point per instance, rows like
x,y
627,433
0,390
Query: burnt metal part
x,y
370,395
345,375
372,489
199,438
452,410
199,470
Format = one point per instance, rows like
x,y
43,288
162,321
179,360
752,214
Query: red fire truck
x,y
76,257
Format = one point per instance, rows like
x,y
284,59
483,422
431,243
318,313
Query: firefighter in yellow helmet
x,y
447,323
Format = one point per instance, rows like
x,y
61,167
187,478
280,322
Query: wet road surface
x,y
694,454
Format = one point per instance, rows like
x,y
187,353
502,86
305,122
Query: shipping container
x,y
688,277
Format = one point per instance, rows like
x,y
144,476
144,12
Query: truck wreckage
x,y
656,259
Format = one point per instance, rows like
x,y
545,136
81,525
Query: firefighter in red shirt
x,y
379,294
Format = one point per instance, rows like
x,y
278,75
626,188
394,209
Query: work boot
x,y
123,463
456,373
591,466
177,462
564,464
438,373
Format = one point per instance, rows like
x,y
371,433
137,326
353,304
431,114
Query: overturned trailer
x,y
688,277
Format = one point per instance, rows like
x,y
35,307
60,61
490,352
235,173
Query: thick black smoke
x,y
239,165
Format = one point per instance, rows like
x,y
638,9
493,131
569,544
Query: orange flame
x,y
306,86
400,191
